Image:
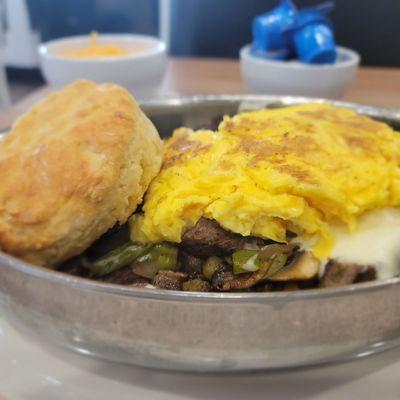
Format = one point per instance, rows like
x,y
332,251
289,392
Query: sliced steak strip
x,y
207,238
189,263
366,276
339,274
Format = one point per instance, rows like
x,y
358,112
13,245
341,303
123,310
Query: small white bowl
x,y
298,79
141,72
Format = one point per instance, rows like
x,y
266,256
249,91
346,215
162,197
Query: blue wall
x,y
58,18
220,27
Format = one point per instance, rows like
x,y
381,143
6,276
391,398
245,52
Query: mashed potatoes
x,y
304,169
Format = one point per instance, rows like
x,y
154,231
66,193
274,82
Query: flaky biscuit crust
x,y
72,167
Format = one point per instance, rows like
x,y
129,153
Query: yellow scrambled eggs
x,y
263,173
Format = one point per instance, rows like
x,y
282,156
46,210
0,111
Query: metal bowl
x,y
205,331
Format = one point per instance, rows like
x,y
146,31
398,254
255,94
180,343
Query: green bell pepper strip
x,y
160,257
245,261
210,266
118,258
165,256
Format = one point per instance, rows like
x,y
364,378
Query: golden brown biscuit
x,y
73,166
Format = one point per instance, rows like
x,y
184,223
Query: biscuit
x,y
72,167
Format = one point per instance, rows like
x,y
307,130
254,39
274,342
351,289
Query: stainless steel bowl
x,y
205,331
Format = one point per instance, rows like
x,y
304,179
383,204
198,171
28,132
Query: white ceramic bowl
x,y
141,72
295,78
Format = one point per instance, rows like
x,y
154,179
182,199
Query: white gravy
x,y
376,242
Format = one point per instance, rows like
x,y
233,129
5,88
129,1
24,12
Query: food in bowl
x,y
278,195
94,49
141,71
285,199
293,78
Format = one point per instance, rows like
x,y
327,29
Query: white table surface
x,y
34,371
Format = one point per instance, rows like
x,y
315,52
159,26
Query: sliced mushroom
x,y
302,268
224,280
196,285
169,280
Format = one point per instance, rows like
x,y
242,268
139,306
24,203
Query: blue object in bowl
x,y
313,36
270,30
315,43
286,30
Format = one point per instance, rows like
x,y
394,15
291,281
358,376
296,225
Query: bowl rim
x,y
9,261
45,49
86,284
354,59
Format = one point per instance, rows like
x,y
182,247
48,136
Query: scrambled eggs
x,y
302,169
